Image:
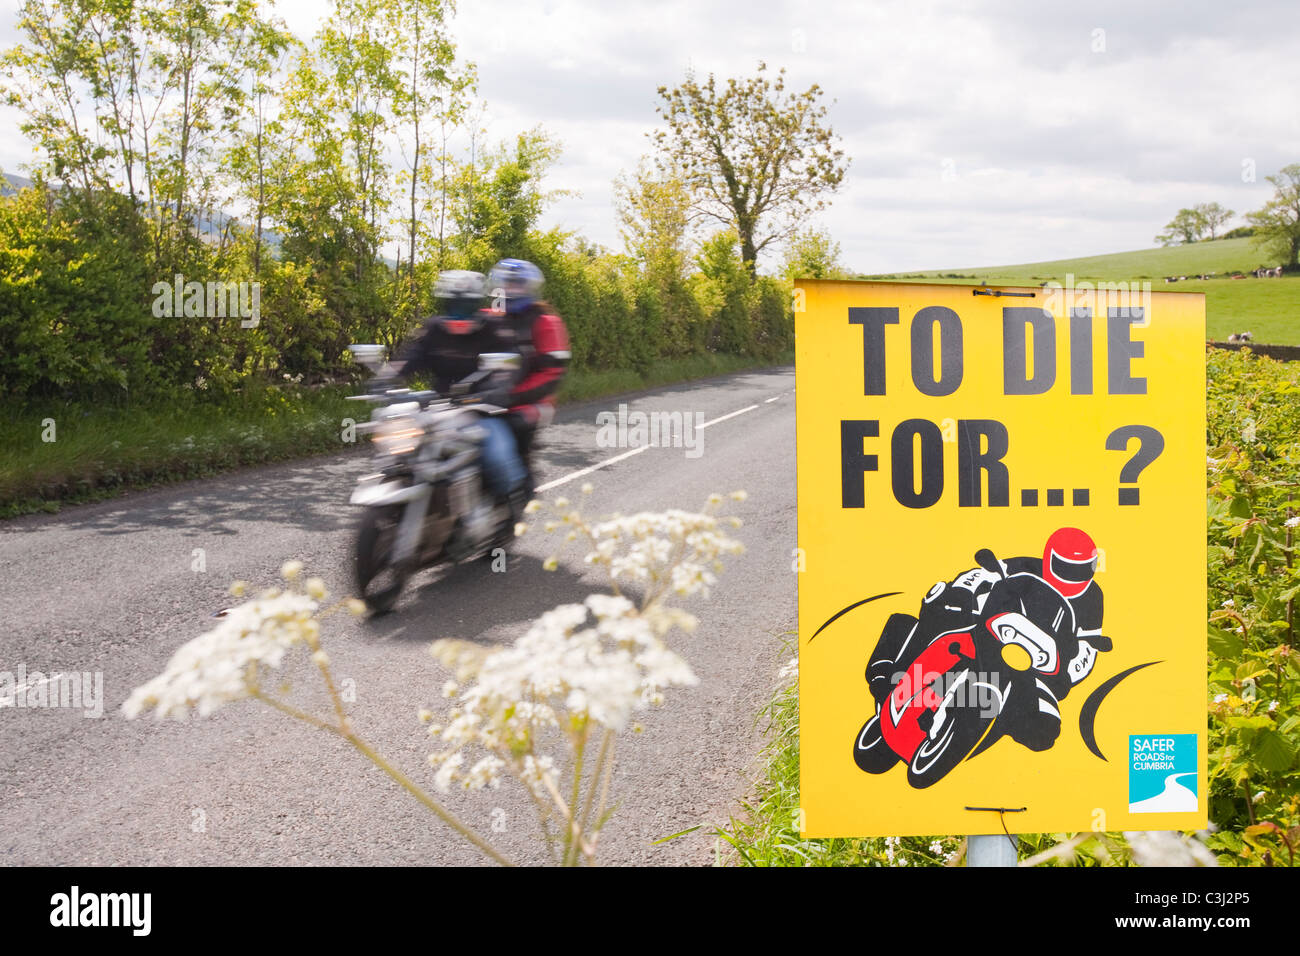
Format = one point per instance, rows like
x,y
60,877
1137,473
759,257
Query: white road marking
x,y
24,688
723,418
582,472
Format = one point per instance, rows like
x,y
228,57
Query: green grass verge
x,y
1268,308
584,385
99,451
61,452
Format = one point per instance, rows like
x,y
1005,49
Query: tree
x,y
654,212
1187,226
498,198
755,158
1213,215
135,96
433,92
1277,225
812,254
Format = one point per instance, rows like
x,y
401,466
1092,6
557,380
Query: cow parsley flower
x,y
595,662
225,663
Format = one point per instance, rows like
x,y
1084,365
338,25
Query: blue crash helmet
x,y
517,282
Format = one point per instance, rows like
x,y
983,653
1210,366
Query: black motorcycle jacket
x,y
448,348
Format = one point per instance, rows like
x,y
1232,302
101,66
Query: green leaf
x,y
1225,643
1273,751
1240,507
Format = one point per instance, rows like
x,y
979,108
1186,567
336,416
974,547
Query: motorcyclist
x,y
448,348
516,320
1068,565
450,342
537,333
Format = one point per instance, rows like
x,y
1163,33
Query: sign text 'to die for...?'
x,y
1029,367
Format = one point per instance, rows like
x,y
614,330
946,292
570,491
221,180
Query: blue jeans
x,y
502,467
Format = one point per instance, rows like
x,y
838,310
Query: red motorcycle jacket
x,y
542,340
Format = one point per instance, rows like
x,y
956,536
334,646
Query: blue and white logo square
x,y
1162,773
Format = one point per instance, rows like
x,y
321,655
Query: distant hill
x,y
11,183
1219,256
1267,308
207,227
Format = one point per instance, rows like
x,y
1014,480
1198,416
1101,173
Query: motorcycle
x,y
426,503
944,693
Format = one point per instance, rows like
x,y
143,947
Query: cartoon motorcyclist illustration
x,y
991,653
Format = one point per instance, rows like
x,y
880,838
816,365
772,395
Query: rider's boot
x,y
1033,721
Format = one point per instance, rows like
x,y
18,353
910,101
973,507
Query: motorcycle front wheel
x,y
870,752
378,580
934,759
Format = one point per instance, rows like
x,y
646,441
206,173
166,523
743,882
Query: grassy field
x,y
1268,308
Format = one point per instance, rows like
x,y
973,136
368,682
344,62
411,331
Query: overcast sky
x,y
980,133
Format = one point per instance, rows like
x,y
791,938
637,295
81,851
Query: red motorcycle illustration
x,y
965,673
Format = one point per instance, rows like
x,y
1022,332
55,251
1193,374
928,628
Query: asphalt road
x,y
115,587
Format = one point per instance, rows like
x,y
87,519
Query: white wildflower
x,y
599,661
1293,521
446,774
1220,698
1167,848
224,664
789,671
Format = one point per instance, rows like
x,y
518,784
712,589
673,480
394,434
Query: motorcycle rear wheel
x,y
378,580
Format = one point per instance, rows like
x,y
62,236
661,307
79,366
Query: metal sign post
x,y
991,850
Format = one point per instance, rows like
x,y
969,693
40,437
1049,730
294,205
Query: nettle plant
x,y
1253,459
535,710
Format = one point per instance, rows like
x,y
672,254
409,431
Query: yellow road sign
x,y
1002,536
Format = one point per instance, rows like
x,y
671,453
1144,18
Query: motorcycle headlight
x,y
398,432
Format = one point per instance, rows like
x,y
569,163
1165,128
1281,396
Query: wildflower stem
x,y
416,791
571,841
344,731
597,775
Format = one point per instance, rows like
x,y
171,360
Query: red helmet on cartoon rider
x,y
1069,561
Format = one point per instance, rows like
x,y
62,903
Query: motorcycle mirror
x,y
371,356
496,361
986,560
1100,641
